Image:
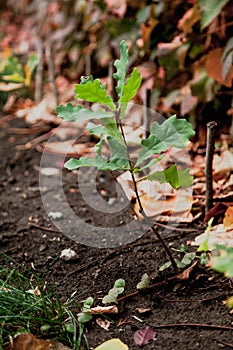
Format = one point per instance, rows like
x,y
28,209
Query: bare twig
x,y
39,72
193,325
209,164
51,71
224,343
147,113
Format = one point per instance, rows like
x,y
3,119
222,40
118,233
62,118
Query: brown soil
x,y
28,236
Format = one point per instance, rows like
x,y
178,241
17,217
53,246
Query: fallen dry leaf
x,y
214,64
159,201
143,336
216,235
28,341
218,209
228,219
112,309
142,310
223,164
105,324
186,273
188,20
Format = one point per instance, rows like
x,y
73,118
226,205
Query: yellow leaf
x,y
113,344
28,75
228,219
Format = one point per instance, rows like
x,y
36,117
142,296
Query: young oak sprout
x,y
172,133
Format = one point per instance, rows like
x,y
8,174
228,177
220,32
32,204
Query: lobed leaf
x,y
175,177
93,91
172,132
78,114
130,89
119,155
121,66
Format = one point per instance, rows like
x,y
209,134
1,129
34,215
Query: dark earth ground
x,y
198,300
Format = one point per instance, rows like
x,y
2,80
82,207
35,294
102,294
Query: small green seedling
x,y
184,262
118,288
108,126
85,315
144,283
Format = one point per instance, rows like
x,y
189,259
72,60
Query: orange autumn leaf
x,y
228,219
214,64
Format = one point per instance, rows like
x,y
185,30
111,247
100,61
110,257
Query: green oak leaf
x,y
121,66
78,114
109,128
119,155
172,132
176,178
130,89
92,91
74,163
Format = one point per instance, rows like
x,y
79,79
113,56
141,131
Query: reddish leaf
x,y
218,209
214,64
143,336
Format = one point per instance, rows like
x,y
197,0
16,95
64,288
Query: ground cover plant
x,y
28,306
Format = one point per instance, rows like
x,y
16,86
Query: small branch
x,y
209,164
39,73
51,71
224,343
141,210
193,325
147,113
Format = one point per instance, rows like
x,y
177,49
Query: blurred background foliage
x,y
182,48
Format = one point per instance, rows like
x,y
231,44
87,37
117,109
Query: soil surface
x,y
185,313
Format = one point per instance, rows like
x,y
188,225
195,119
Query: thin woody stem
x,y
141,209
209,164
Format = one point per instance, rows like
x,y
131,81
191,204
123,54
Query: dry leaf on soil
x,y
29,342
159,201
217,235
143,336
105,324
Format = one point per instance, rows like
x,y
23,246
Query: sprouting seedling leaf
x,y
113,293
173,132
176,178
78,114
130,89
93,91
143,336
165,266
120,285
188,258
85,315
144,283
121,66
112,344
111,297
